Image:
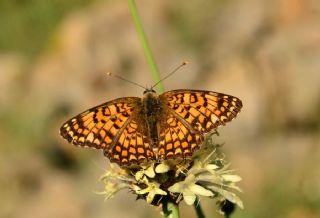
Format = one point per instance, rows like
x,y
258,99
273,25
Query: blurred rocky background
x,y
54,55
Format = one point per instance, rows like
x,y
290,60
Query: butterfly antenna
x,y
170,74
121,78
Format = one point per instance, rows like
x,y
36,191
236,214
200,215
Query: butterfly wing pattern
x,y
203,110
116,127
122,127
177,138
190,114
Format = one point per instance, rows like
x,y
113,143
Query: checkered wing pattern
x,y
116,127
190,114
177,138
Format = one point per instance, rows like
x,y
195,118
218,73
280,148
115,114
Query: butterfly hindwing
x,y
176,137
133,143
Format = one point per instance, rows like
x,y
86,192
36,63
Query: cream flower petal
x,y
150,171
228,195
139,175
232,178
152,190
189,197
176,188
162,168
199,190
150,197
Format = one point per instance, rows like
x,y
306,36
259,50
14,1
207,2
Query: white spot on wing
x,y
90,137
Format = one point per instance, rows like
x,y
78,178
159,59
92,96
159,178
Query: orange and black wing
x,y
176,138
116,127
190,114
203,110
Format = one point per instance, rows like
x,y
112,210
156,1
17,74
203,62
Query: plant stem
x,y
170,209
144,42
198,209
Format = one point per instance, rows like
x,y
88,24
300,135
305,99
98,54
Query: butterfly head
x,y
149,92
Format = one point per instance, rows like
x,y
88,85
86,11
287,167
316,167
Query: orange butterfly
x,y
132,130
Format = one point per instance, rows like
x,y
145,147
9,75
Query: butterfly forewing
x,y
203,110
108,127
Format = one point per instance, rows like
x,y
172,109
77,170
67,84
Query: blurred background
x,y
54,55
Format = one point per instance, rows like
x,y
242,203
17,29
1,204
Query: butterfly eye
x,y
153,91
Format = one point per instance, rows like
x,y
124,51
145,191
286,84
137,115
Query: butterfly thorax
x,y
152,110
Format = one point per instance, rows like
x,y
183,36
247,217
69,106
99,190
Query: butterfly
x,y
132,130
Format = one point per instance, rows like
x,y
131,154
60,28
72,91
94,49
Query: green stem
x,y
144,42
170,209
198,209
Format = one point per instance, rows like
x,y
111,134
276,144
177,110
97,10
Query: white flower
x,y
206,174
205,178
152,190
145,170
189,189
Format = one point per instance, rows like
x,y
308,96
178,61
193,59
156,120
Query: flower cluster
x,y
205,174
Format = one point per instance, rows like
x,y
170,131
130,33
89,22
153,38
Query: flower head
x,y
206,174
151,190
